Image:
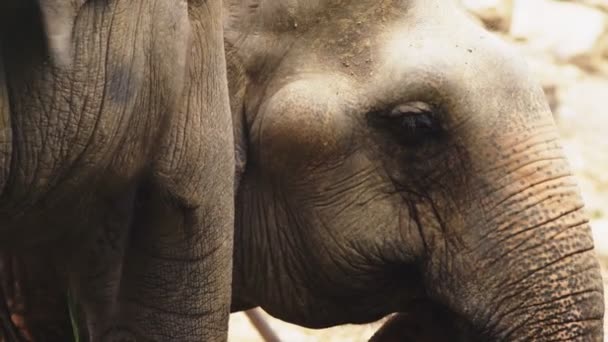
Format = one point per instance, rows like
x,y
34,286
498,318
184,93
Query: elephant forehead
x,y
289,15
345,36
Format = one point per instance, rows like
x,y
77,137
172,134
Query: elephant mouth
x,y
426,321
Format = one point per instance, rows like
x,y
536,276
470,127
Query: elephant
x,y
117,172
394,156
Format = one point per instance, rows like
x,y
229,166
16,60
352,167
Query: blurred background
x,y
566,46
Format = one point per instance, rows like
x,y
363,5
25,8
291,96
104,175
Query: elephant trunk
x,y
536,249
523,267
520,264
508,248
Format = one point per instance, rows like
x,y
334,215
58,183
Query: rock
x,y
581,124
495,14
571,32
553,77
603,53
600,4
600,237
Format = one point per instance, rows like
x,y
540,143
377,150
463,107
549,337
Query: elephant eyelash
x,y
409,124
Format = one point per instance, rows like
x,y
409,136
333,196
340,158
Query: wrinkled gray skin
x,y
116,164
396,154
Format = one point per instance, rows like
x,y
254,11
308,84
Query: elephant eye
x,y
410,124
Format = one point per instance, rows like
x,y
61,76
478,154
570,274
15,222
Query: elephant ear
x,y
59,17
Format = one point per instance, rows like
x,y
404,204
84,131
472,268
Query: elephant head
x,y
393,154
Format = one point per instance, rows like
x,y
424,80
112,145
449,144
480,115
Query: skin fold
x,y
116,171
426,322
397,158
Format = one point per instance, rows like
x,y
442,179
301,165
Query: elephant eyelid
x,y
411,108
409,124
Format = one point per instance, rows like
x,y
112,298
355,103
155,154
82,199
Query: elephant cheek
x,y
302,126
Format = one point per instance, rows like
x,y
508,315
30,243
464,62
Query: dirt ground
x,y
578,94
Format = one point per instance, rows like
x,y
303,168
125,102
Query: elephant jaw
x,y
425,322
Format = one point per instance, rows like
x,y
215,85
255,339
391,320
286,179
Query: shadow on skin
x,y
426,322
